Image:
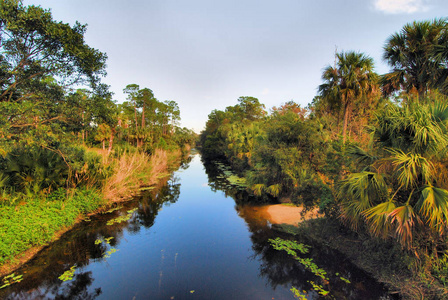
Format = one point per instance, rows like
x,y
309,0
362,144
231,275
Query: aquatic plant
x,y
298,295
109,252
124,218
10,279
68,275
318,288
292,247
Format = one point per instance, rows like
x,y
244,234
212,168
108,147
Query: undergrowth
x,y
35,219
413,277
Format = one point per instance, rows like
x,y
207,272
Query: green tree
x,y
103,133
402,189
418,57
351,79
39,59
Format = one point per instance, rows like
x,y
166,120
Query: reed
x,y
134,172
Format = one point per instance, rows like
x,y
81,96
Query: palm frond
x,y
258,188
361,155
403,217
274,189
410,167
378,218
433,205
358,193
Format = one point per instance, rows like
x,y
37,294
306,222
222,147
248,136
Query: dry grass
x,y
132,172
159,165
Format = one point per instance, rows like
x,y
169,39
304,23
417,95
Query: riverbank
x,y
386,261
38,220
277,214
402,272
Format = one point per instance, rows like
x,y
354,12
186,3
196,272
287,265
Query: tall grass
x,y
133,172
30,220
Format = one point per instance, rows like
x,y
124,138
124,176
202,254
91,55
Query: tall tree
x,y
418,57
349,80
132,90
39,59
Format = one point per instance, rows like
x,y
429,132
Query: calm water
x,y
187,241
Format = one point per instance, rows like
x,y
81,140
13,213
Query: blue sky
x,y
204,54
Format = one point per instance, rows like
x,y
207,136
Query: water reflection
x,y
78,248
281,269
199,248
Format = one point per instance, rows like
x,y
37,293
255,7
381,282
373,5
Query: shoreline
x,y
278,214
22,258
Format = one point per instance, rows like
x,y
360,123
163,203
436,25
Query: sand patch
x,y
277,214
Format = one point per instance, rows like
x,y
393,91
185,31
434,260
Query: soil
x,y
278,214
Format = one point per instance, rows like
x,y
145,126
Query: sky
x,y
205,54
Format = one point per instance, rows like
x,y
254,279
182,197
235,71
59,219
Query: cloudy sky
x,y
204,54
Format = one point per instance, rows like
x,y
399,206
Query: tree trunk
x,y
136,124
111,141
346,113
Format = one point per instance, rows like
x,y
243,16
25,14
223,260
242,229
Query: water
x,y
186,241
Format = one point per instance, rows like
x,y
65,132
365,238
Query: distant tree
x,y
348,81
290,106
251,108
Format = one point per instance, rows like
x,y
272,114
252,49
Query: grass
x,y
133,172
36,220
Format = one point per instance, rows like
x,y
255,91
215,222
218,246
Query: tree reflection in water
x,y
40,280
75,289
281,269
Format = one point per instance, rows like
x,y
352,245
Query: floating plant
x,y
10,279
68,275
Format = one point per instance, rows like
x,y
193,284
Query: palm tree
x,y
403,185
349,80
416,56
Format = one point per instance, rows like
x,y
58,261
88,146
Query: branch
x,y
34,124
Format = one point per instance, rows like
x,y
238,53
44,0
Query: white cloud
x,y
400,6
265,92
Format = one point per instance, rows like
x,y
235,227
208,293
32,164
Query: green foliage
x,y
318,288
290,247
35,221
40,58
417,55
34,169
124,218
68,275
351,79
400,188
440,269
297,294
10,279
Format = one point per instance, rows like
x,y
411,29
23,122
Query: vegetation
x,y
382,173
67,151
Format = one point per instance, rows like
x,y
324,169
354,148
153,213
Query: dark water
x,y
186,241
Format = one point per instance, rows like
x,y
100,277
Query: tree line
x,y
370,150
54,105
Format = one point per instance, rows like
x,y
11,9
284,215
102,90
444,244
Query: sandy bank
x,y
277,214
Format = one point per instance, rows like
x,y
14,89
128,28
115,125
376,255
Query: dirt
x,y
278,214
